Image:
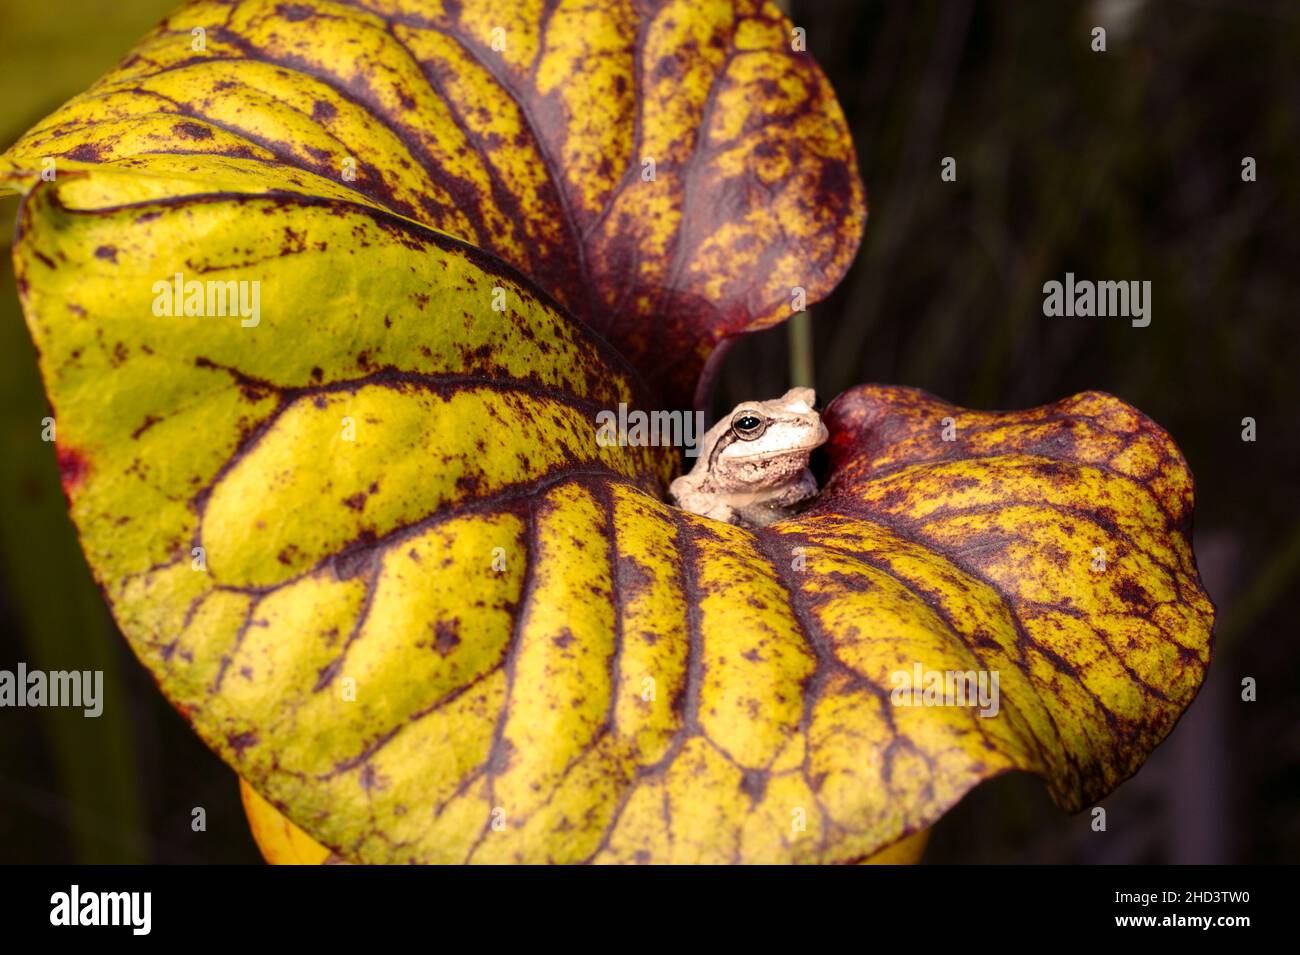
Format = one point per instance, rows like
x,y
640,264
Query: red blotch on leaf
x,y
73,468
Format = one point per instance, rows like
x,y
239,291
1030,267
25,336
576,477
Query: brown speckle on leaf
x,y
446,636
188,130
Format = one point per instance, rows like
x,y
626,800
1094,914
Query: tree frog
x,y
753,464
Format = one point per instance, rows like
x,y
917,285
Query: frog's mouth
x,y
772,455
808,448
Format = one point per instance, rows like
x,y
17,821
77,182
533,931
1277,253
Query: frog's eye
x,y
747,426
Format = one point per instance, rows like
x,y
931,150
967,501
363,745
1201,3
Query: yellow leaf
x,y
283,843
697,174
473,632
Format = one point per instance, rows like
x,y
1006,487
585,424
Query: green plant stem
x,y
799,330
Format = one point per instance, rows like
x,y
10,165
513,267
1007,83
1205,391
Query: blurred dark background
x,y
1117,165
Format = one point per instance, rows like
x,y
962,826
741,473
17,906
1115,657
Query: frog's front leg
x,y
719,511
785,503
800,489
780,505
686,495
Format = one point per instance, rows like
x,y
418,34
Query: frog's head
x,y
764,444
